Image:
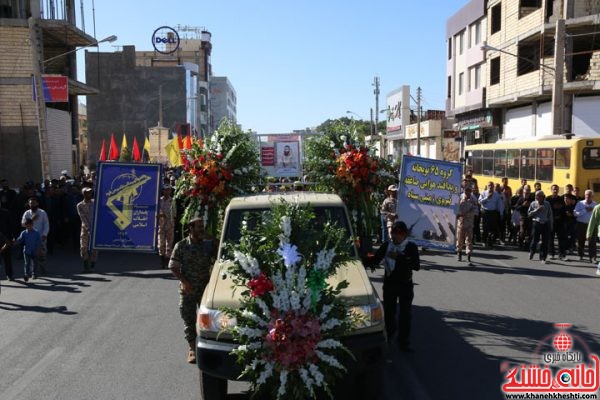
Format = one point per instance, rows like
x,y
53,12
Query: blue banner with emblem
x,y
428,197
125,216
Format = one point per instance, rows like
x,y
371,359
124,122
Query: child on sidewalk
x,y
32,242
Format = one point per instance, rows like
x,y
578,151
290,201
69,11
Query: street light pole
x,y
558,96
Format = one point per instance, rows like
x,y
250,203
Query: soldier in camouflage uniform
x,y
85,209
191,262
388,211
166,226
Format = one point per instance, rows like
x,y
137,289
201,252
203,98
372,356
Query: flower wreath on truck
x,y
290,319
225,165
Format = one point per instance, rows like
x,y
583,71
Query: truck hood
x,y
221,291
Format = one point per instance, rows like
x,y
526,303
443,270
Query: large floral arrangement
x,y
340,161
226,164
290,317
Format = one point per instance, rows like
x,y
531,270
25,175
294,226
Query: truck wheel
x,y
212,388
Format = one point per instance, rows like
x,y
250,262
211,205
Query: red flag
x,y
187,142
137,157
103,151
180,141
113,152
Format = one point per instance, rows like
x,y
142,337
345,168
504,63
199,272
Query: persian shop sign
x,y
56,88
165,40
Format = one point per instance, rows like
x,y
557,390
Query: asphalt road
x,y
117,334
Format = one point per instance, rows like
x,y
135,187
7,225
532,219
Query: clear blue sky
x,y
297,64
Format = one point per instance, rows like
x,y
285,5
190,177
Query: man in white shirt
x,y
41,225
583,213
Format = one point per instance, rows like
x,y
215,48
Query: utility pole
x,y
376,92
419,121
373,128
558,96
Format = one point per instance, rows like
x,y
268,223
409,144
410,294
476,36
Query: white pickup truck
x,y
367,342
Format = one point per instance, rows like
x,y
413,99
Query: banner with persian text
x,y
428,196
125,216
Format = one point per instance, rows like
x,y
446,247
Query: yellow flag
x,y
172,149
147,145
124,143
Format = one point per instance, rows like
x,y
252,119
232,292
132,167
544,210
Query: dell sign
x,y
165,40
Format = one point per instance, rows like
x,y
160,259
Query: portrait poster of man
x,y
287,156
428,197
125,217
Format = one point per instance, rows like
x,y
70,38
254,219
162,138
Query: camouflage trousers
x,y
166,234
464,237
188,303
84,247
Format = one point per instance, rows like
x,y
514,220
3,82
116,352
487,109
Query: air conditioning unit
x,y
477,133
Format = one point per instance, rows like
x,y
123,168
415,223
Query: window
x,y
591,158
449,86
500,163
469,77
528,59
544,165
477,162
526,7
449,48
488,162
461,42
477,32
527,164
562,158
495,71
496,18
512,163
477,77
461,78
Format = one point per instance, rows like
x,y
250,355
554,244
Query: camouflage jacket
x,y
195,263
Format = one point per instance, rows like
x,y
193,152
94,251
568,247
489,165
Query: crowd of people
x,y
554,224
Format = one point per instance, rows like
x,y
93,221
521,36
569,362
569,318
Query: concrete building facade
x,y
521,66
466,32
223,101
33,41
129,98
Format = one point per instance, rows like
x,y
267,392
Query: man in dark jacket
x,y
401,257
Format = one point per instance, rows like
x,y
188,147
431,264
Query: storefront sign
x,y
165,40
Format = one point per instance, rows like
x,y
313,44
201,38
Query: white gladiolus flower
x,y
253,317
329,344
308,382
264,308
295,301
343,138
250,332
331,360
324,259
286,226
314,370
282,382
331,144
330,324
248,263
325,311
265,374
306,302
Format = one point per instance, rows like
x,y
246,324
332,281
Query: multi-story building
x,y
223,101
193,53
39,40
465,77
521,66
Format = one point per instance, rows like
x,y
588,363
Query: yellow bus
x,y
548,160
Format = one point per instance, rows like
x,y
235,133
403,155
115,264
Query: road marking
x,y
40,367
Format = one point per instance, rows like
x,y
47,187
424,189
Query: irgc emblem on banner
x,y
126,206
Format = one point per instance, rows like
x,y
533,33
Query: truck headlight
x,y
366,315
213,320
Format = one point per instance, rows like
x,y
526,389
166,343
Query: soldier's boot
x,y
164,261
86,266
92,265
459,256
191,358
469,259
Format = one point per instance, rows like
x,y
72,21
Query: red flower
x,y
260,285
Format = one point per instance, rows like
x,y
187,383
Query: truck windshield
x,y
253,217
